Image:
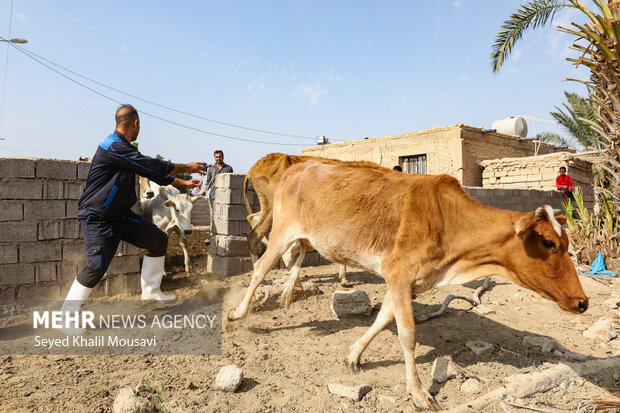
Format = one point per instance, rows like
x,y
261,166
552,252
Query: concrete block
x,y
82,170
124,265
128,249
50,230
231,246
67,271
39,210
73,190
230,212
7,293
45,271
53,189
8,253
244,227
225,227
246,264
18,231
132,283
15,274
228,196
347,303
40,291
40,252
224,266
233,181
55,168
311,259
72,209
114,285
74,251
20,189
71,229
11,211
17,168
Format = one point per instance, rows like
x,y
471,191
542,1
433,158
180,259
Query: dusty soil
x,y
290,356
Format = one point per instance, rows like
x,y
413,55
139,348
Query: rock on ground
x,y
229,378
352,391
126,402
603,330
480,348
346,303
471,386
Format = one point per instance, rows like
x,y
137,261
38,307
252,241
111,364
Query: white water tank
x,y
511,126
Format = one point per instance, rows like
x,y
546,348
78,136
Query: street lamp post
x,y
17,40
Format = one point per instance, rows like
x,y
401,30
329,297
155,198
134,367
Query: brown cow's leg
x,y
342,273
287,292
403,312
262,267
384,319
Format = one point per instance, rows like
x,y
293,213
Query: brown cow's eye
x,y
549,244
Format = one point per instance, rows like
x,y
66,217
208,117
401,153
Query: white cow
x,y
171,211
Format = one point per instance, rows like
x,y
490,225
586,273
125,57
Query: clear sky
x,y
343,69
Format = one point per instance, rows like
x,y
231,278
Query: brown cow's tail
x,y
245,195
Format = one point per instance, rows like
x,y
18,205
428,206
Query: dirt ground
x,y
290,356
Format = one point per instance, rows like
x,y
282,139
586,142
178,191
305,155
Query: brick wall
x,y
516,199
41,245
539,172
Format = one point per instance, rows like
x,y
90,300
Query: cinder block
x,y
18,231
231,246
114,285
128,249
40,291
57,169
233,181
17,168
21,189
45,271
124,265
246,264
311,259
224,266
67,271
225,227
228,196
8,253
73,190
132,283
50,230
71,229
244,227
230,212
74,251
40,252
53,189
44,210
7,293
82,170
72,209
15,274
11,211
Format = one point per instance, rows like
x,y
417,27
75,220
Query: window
x,y
414,164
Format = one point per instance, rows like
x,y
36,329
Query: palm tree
x,y
581,134
601,54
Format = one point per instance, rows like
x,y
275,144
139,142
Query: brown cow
x,y
416,231
264,176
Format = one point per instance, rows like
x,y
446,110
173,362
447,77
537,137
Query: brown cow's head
x,y
542,262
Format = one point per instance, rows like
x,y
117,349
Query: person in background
x,y
564,184
398,168
207,187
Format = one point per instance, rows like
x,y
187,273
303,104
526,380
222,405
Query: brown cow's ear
x,y
561,219
525,224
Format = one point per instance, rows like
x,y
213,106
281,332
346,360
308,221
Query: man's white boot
x,y
74,301
152,273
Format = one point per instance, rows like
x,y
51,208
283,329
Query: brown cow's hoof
x,y
232,315
426,402
354,367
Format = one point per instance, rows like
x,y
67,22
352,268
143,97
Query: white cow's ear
x,y
170,204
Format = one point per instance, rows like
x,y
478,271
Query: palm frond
x,y
534,14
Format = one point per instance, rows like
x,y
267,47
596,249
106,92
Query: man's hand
x,y
190,168
189,184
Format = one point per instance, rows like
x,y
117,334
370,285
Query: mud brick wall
x,y
228,247
516,199
41,245
539,172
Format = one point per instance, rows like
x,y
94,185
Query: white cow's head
x,y
181,210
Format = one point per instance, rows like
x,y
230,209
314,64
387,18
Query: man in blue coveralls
x,y
105,215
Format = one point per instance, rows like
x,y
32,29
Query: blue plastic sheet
x,y
598,267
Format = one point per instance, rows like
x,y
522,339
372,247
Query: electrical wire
x,y
164,106
149,114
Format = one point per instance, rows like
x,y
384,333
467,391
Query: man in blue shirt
x,y
105,215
